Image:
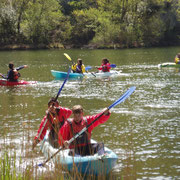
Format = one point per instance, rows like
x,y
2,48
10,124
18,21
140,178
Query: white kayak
x,y
169,64
91,164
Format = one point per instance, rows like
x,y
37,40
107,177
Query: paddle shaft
x,y
55,100
69,70
121,99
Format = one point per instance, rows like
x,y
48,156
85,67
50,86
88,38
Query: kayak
x,y
63,75
169,64
89,165
4,82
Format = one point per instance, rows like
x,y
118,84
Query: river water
x,y
144,131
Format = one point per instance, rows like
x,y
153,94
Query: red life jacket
x,y
16,74
82,139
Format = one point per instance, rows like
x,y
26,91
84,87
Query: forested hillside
x,y
89,23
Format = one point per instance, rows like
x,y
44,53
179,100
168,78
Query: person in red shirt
x,y
81,144
105,67
56,118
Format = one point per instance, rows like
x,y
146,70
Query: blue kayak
x,y
63,75
91,164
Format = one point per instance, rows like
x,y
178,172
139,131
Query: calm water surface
x,y
144,131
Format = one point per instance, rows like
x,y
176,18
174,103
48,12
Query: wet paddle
x,y
120,100
69,70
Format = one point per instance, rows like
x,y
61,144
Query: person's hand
x,y
106,111
25,66
52,109
35,142
66,144
0,74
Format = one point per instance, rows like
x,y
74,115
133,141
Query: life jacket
x,y
16,74
105,67
82,139
78,68
177,60
55,127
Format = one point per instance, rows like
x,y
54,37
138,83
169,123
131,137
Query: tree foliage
x,y
101,23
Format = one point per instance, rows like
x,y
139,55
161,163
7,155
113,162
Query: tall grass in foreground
x,y
8,167
10,171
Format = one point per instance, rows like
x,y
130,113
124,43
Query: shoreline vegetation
x,y
61,46
88,24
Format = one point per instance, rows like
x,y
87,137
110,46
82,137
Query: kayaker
x,y
81,144
105,66
78,67
177,59
13,74
56,118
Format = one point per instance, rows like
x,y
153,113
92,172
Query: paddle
x,y
113,65
69,70
88,68
121,99
69,58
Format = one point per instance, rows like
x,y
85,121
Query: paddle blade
x,y
113,65
123,97
88,68
68,57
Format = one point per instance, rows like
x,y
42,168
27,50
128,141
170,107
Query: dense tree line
x,y
91,23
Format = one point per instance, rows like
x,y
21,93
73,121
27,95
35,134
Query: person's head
x,y
53,102
77,112
105,61
178,55
79,61
11,65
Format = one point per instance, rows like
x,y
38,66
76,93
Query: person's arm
x,y
43,133
21,67
101,120
83,68
3,76
66,113
73,67
99,68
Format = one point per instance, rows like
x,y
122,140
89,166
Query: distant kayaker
x,y
13,74
56,118
177,59
78,67
81,144
105,66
